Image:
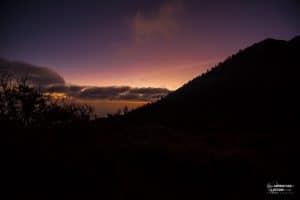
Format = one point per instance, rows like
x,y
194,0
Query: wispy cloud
x,y
163,23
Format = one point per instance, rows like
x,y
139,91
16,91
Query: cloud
x,y
36,75
51,82
149,90
148,94
109,93
103,92
162,23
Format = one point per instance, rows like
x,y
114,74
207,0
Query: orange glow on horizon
x,y
170,76
101,107
56,95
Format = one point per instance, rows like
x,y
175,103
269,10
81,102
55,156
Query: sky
x,y
138,43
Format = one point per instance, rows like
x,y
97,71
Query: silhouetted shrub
x,y
23,104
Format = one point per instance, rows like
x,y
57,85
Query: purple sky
x,y
140,43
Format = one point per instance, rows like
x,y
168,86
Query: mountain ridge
x,y
248,90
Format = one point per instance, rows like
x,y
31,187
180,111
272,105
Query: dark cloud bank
x,y
112,92
35,75
50,81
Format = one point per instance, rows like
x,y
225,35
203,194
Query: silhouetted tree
x,y
125,110
21,103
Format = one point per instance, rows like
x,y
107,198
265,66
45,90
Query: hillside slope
x,y
253,90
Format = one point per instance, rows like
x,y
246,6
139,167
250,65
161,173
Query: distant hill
x,y
35,75
254,90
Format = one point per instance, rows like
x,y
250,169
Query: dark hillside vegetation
x,y
27,107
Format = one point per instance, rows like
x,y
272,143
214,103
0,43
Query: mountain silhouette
x,y
213,138
252,90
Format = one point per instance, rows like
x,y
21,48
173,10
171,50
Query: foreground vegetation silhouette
x,y
224,135
24,106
